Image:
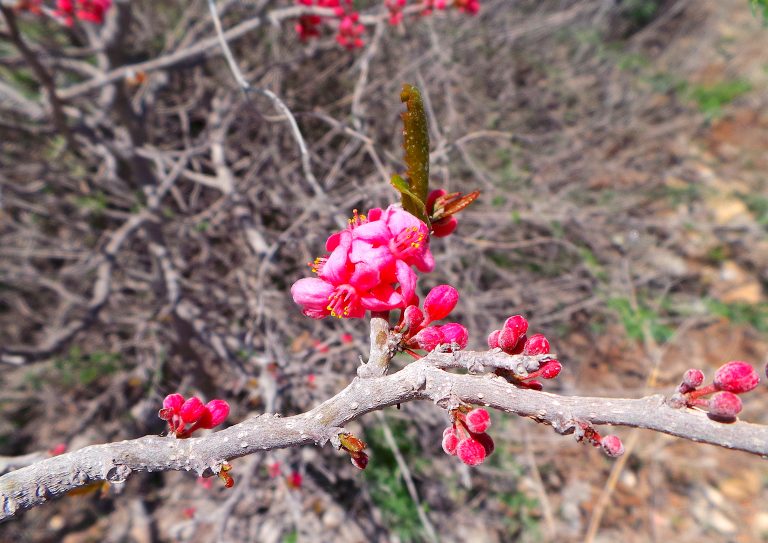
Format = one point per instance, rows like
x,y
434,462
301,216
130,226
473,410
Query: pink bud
x,y
173,402
536,344
551,369
514,329
487,442
693,378
737,377
470,451
444,227
534,385
412,319
450,441
725,405
428,338
216,412
453,332
478,421
493,339
612,446
347,338
440,302
192,410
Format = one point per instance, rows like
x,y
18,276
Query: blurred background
x,y
152,221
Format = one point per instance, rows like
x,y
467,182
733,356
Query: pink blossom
x,y
344,289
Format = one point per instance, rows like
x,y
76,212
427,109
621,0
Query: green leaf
x,y
416,146
417,206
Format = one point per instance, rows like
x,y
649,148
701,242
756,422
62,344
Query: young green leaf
x,y
416,146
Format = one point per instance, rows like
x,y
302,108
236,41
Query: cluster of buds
x,y
92,11
349,32
471,7
513,339
395,8
180,412
466,437
732,378
415,324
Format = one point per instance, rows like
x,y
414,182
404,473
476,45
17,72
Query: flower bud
x,y
192,410
440,302
551,369
493,339
514,329
412,319
450,441
428,338
725,405
612,446
536,344
216,412
478,421
737,377
173,402
444,227
487,442
470,451
453,332
693,378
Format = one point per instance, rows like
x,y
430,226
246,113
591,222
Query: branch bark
x,y
425,379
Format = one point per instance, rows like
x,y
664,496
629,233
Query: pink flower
x,y
344,289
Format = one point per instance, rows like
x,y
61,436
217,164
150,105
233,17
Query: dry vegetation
x,y
148,242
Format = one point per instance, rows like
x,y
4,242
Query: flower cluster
x,y
415,324
513,339
732,378
369,266
349,32
466,437
180,412
92,11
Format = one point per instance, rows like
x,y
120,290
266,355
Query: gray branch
x,y
425,379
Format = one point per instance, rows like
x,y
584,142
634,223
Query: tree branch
x,y
424,379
